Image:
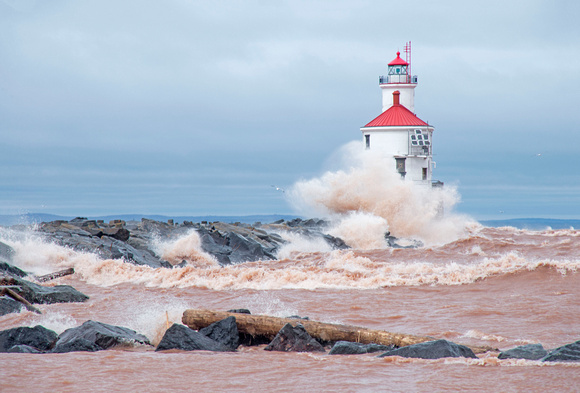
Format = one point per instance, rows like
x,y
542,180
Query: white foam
x,y
367,186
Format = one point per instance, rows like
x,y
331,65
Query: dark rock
x,y
77,345
224,331
117,233
95,336
298,317
6,252
181,337
23,349
240,311
9,305
37,337
529,352
335,242
12,270
350,348
392,242
565,353
432,350
294,339
35,293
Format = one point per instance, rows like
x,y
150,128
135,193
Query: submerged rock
x,y
224,332
565,353
432,350
350,348
186,339
37,337
294,339
96,336
528,352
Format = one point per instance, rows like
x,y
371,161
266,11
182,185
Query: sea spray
x,y
367,185
186,248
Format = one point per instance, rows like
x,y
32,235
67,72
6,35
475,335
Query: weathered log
x,y
52,276
18,298
262,325
267,326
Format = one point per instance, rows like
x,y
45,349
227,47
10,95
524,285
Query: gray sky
x,y
198,107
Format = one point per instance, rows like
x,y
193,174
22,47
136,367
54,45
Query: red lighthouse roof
x,y
398,61
396,115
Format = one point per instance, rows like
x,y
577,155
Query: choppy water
x,y
493,286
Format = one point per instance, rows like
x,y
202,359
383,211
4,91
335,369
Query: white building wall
x,y
406,98
393,142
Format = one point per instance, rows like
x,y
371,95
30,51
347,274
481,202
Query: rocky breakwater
x,y
19,290
227,243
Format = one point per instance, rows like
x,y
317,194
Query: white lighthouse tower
x,y
397,132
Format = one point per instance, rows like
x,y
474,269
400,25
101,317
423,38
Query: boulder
x,y
23,349
565,353
350,348
12,270
432,350
6,252
37,337
96,336
181,337
9,305
294,339
35,293
116,233
528,352
224,332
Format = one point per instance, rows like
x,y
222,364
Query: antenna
x,y
408,60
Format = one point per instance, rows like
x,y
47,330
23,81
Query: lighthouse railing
x,y
397,79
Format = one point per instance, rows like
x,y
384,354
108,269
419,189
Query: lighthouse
x,y
397,133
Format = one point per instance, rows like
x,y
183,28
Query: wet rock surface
x,y
224,332
186,339
39,294
565,353
227,243
294,339
528,352
9,305
350,348
96,336
432,350
37,337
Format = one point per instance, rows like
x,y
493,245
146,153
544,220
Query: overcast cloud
x,y
198,107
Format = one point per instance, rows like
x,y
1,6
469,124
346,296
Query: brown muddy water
x,y
499,287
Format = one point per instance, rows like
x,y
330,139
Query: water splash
x,y
368,188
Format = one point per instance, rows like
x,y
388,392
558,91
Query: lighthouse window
x,y
420,143
419,137
414,143
368,141
413,137
427,143
426,137
417,131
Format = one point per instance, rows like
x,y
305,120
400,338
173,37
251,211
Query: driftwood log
x,y
52,276
267,326
262,325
